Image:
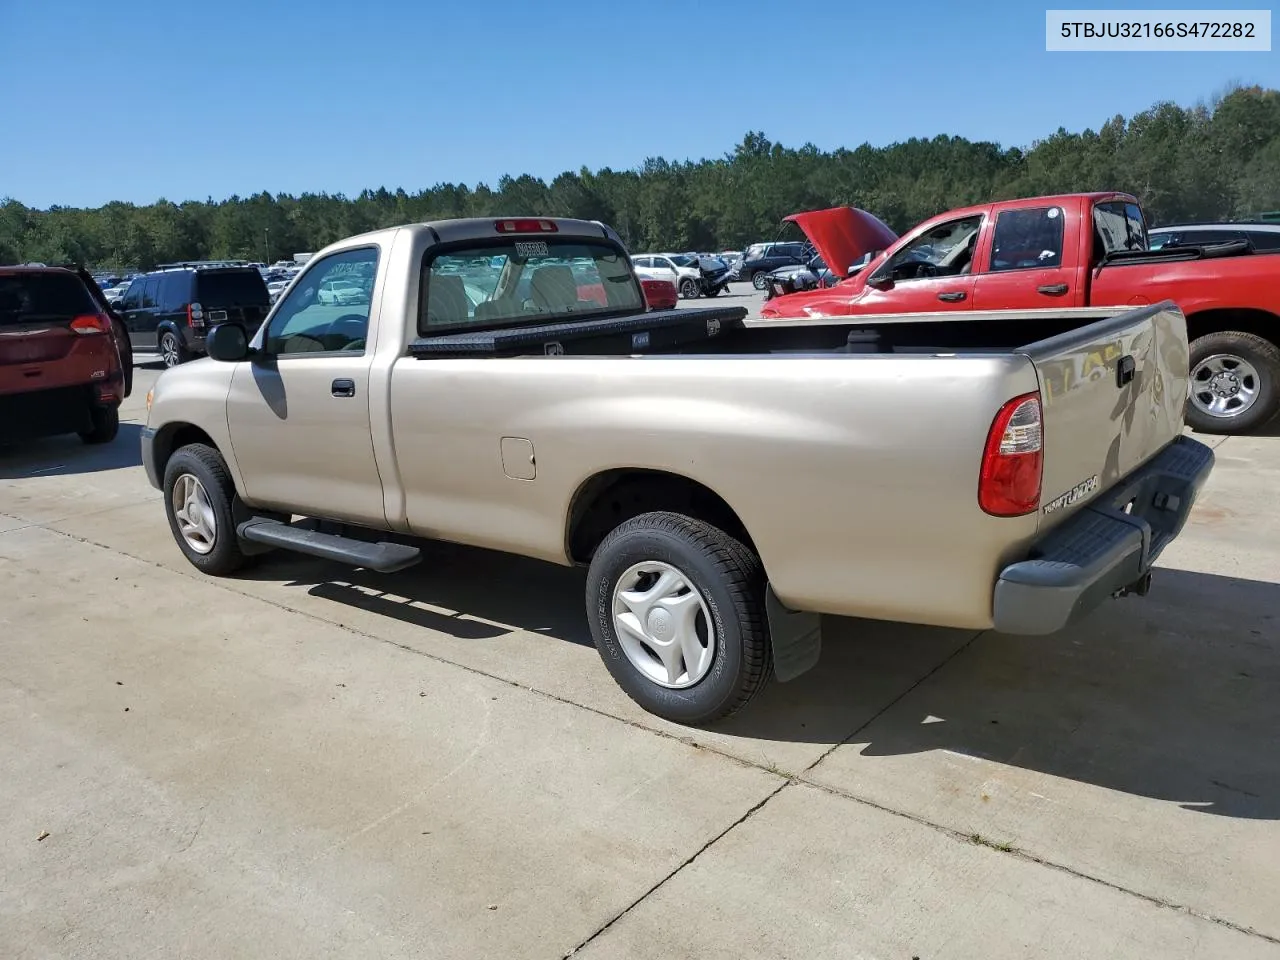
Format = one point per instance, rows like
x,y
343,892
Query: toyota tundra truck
x,y
724,481
1086,252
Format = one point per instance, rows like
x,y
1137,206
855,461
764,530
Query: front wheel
x,y
172,352
689,289
1235,383
759,280
713,291
677,613
199,499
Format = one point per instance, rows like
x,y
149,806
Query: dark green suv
x,y
169,310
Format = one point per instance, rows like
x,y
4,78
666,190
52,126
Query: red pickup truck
x,y
1052,256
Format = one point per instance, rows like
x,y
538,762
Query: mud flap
x,y
796,638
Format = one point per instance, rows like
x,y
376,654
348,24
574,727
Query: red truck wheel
x,y
1235,382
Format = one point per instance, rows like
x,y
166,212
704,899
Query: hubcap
x,y
169,350
194,513
1224,385
759,281
663,625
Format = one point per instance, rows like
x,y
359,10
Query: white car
x,y
1265,237
679,268
341,292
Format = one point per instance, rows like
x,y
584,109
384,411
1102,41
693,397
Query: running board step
x,y
382,557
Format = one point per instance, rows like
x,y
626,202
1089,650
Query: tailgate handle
x,y
343,388
1053,289
952,297
1125,370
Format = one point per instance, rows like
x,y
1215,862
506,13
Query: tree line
x,y
1213,161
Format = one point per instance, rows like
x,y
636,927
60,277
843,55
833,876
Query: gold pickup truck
x,y
502,383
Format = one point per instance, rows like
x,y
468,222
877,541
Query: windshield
x,y
520,281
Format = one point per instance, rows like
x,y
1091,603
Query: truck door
x,y
932,272
1030,262
298,410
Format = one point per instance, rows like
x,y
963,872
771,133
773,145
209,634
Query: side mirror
x,y
882,281
228,343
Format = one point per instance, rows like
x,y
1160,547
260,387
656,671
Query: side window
x,y
133,296
1264,240
149,292
1027,238
944,251
662,263
327,310
645,262
1136,224
1200,238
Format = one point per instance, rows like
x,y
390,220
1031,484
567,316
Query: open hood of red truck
x,y
843,235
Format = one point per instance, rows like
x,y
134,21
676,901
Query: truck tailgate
x,y
1113,394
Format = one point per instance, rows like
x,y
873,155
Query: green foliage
x,y
1210,162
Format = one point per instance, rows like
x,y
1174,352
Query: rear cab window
x,y
33,297
509,281
231,288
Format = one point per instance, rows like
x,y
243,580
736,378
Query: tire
x,y
688,289
106,424
713,291
729,582
1233,361
207,467
172,350
759,279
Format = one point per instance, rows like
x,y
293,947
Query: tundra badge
x,y
1078,492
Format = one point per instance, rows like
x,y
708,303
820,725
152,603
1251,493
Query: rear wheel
x,y
688,289
172,352
1235,382
677,613
199,500
106,424
759,280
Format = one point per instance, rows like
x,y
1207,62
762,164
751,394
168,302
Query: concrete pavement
x,y
317,762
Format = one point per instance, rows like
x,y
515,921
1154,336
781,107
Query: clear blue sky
x,y
137,99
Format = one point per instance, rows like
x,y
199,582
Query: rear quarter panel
x,y
856,477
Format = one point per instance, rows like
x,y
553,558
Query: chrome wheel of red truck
x,y
1234,380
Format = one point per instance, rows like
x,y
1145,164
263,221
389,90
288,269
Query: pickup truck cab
x,y
724,481
1041,255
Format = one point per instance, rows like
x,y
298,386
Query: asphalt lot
x,y
312,762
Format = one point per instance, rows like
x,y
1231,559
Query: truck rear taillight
x,y
525,226
91,323
195,315
1013,461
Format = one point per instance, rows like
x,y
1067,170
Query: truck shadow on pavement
x,y
1174,697
67,455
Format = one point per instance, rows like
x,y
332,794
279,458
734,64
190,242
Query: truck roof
x,y
482,228
1059,199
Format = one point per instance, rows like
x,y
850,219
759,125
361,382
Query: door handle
x,y
954,296
1053,289
343,388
